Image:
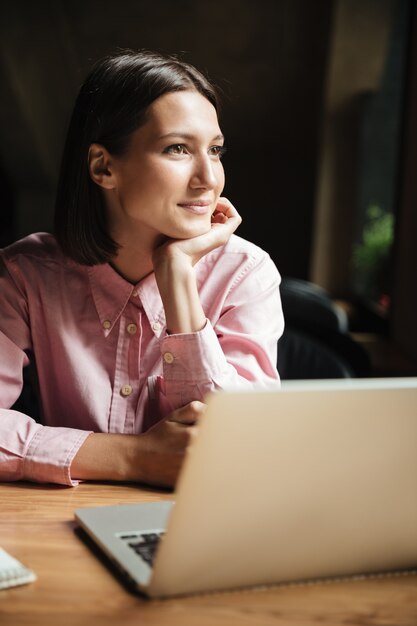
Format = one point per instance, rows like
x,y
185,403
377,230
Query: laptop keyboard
x,y
144,544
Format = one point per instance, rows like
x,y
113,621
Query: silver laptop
x,y
314,480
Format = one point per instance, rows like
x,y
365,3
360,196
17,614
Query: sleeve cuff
x,y
50,454
193,357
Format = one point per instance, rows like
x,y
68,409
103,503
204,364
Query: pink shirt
x,y
104,360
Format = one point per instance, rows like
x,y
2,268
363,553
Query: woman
x,y
144,300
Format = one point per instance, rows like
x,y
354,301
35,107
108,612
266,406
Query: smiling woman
x,y
145,300
158,189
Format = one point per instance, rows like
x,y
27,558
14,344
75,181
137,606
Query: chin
x,y
202,231
194,231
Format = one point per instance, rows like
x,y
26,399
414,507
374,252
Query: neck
x,y
133,266
133,260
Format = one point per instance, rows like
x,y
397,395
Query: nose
x,y
205,173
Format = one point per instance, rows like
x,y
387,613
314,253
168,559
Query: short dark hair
x,y
110,106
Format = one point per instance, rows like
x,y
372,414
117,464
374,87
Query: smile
x,y
198,208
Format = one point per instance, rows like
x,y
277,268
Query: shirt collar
x,y
111,293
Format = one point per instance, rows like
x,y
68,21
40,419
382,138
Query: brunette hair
x,y
110,106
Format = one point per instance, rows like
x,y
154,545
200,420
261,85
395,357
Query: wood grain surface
x,y
76,587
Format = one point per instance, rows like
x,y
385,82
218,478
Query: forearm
x,y
108,456
174,263
154,457
178,288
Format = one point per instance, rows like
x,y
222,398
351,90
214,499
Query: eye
x,y
217,151
176,148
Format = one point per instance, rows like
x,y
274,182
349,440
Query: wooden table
x,y
74,587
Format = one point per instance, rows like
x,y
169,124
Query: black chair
x,y
308,304
305,355
316,342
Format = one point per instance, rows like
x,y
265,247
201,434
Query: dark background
x,y
294,74
265,56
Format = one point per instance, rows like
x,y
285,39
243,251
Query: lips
x,y
200,207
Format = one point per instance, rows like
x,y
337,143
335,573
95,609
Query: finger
x,y
225,207
218,218
188,414
225,213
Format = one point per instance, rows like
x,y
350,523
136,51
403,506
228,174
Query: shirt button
x,y
135,292
126,390
168,357
131,329
156,326
106,324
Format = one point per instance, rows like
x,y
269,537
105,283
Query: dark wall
x,y
268,56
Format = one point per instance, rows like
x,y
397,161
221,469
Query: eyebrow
x,y
187,136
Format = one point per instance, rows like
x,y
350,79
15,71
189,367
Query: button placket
x,y
125,385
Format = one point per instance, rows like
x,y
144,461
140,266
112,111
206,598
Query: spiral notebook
x,y
13,572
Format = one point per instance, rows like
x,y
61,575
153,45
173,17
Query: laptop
x,y
313,480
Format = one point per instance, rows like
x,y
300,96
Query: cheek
x,y
170,178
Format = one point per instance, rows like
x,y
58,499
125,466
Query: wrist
x,y
108,456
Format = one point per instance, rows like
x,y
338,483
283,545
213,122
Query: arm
x,y
234,342
27,451
63,454
174,263
154,458
30,451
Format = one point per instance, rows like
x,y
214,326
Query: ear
x,y
99,165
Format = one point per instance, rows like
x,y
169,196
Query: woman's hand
x,y
224,222
163,446
154,457
174,272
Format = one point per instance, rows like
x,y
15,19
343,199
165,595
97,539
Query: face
x,y
169,181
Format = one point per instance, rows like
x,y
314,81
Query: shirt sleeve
x,y
237,349
28,450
